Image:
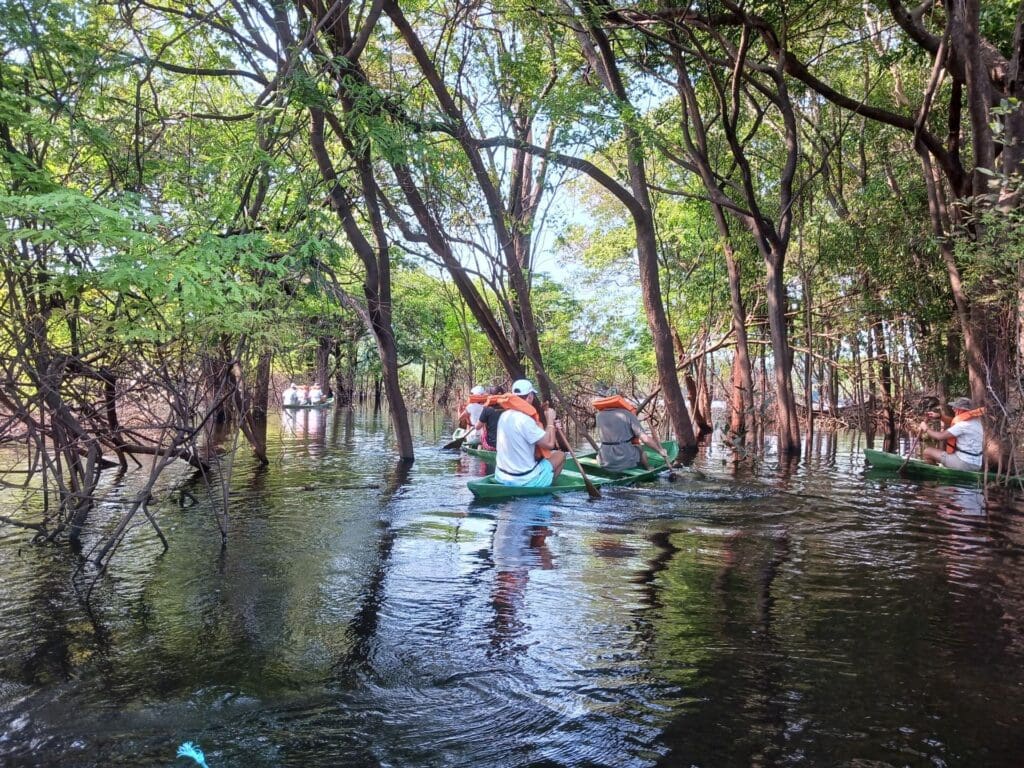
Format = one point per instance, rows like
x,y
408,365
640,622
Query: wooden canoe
x,y
924,470
570,479
307,406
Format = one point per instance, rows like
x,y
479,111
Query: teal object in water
x,y
188,749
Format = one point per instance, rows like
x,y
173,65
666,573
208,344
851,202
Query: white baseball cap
x,y
522,387
478,390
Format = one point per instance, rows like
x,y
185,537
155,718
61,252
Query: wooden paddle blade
x,y
454,445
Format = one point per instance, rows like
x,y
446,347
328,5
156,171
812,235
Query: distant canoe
x,y
308,406
570,478
922,469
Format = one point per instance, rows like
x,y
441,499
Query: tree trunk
x,y
885,375
597,49
743,379
787,423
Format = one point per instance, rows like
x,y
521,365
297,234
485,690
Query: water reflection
x,y
368,613
519,545
306,425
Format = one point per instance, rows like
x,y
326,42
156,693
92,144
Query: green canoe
x,y
302,406
922,469
480,453
571,480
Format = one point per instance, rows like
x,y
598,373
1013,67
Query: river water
x,y
360,615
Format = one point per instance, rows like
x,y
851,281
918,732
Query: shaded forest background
x,y
805,209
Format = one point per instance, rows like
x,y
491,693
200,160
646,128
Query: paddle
x,y
910,453
455,444
591,488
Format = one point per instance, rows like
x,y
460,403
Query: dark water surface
x,y
813,616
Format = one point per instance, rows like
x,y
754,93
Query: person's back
x,y
618,429
291,395
315,394
517,434
489,417
473,410
524,447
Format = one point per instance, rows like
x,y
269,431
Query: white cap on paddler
x,y
478,390
522,387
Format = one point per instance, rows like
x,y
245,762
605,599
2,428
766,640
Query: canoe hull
x,y
489,456
570,479
308,406
924,470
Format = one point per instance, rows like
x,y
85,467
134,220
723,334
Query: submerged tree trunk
x,y
742,379
787,423
377,277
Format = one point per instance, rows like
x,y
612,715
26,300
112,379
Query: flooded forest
x,y
258,257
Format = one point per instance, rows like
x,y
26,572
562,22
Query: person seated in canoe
x,y
291,395
964,438
622,434
526,443
487,423
470,413
316,394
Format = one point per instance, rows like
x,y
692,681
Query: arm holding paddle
x,y
550,439
655,446
924,432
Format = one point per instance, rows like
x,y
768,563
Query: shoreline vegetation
x,y
808,225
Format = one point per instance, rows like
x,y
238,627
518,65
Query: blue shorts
x,y
540,476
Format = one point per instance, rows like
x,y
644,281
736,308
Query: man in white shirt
x,y
291,395
965,438
470,415
519,436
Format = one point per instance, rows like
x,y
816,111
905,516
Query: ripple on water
x,y
366,614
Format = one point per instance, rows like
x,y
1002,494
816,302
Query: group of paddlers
x,y
307,394
962,436
525,436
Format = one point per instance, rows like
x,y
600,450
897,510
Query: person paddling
x,y
964,438
525,444
291,395
470,414
622,434
487,423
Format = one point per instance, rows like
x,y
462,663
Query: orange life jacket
x,y
613,401
478,398
962,416
512,402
